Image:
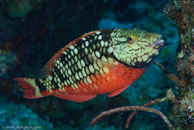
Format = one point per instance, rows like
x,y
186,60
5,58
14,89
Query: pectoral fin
x,y
118,91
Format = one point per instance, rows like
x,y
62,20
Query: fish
x,y
104,61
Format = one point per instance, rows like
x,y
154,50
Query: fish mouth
x,y
158,43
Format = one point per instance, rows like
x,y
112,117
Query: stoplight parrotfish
x,y
99,62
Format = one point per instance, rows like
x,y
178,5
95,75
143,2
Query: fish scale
x,y
74,78
99,62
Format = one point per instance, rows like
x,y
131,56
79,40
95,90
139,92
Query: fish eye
x,y
131,39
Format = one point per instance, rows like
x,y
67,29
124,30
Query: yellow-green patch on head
x,y
135,47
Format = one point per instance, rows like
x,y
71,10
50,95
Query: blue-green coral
x,y
18,115
7,60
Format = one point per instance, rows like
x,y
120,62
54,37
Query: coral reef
x,y
7,61
182,12
17,116
135,108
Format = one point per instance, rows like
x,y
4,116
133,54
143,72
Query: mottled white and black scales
x,y
78,61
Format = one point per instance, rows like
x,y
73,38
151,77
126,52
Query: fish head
x,y
135,47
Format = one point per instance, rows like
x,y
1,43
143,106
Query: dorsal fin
x,y
47,69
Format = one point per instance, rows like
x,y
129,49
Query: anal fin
x,y
118,91
74,97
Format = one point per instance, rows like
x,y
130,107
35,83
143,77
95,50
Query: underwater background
x,y
32,31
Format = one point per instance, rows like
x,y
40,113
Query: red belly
x,y
119,76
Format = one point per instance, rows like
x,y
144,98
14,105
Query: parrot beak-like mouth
x,y
158,43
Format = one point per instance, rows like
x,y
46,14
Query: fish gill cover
x,y
32,31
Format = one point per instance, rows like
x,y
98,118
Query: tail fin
x,y
31,90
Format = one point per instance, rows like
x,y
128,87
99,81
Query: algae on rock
x,y
182,12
